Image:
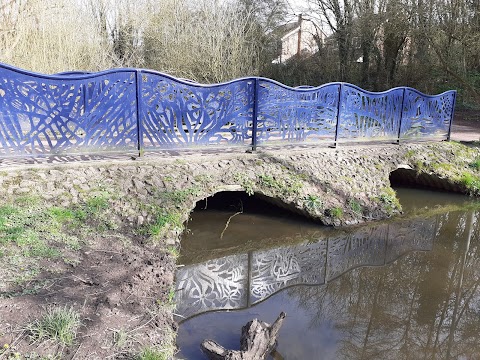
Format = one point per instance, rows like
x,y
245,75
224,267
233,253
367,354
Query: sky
x,y
296,7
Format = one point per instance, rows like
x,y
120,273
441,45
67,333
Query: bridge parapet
x,y
137,110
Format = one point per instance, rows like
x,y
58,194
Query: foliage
x,y
355,206
312,202
388,197
174,251
288,184
153,354
247,183
171,296
178,197
475,164
471,183
58,324
335,212
120,338
38,36
31,230
163,220
206,40
431,45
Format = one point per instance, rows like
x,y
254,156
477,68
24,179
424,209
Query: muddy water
x,y
405,288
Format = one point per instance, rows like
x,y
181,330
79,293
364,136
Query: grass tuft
x,y
471,183
355,206
475,164
336,212
120,338
162,222
388,198
57,324
153,354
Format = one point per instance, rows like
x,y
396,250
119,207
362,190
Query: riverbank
x,y
101,238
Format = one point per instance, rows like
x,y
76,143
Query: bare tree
x,y
339,15
207,41
49,37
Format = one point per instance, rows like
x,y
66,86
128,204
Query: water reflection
x,y
424,305
242,280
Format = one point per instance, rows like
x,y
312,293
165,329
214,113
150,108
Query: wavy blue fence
x,y
137,110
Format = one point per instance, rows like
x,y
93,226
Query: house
x,y
297,38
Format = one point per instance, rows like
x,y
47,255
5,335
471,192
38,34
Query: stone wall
x,y
339,186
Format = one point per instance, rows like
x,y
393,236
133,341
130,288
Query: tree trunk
x,y
257,341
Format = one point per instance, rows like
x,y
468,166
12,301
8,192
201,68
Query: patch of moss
x,y
335,212
471,183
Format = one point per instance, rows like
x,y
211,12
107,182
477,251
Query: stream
x,y
406,288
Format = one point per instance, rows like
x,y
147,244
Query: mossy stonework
x,y
56,220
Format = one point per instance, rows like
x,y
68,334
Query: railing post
x,y
338,115
138,83
84,89
451,116
401,117
255,114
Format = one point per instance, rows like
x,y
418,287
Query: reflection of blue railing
x,y
136,110
245,279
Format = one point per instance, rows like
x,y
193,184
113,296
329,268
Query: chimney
x,y
299,43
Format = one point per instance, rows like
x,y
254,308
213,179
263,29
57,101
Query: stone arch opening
x,y
254,204
405,176
216,228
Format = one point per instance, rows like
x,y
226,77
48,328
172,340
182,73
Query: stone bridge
x,y
340,186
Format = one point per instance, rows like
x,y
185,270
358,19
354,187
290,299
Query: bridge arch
x,y
407,176
236,199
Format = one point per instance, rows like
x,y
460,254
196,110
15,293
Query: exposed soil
x,y
113,288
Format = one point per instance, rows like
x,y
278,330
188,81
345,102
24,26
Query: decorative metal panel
x,y
363,247
425,115
133,109
409,236
58,114
300,114
367,115
276,269
213,285
177,113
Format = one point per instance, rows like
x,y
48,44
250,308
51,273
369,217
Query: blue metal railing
x,y
138,110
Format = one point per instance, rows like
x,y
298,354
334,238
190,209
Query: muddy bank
x,y
102,237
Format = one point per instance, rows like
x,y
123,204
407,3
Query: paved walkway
x,y
465,132
466,126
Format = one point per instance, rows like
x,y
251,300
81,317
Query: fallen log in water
x,y
257,341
